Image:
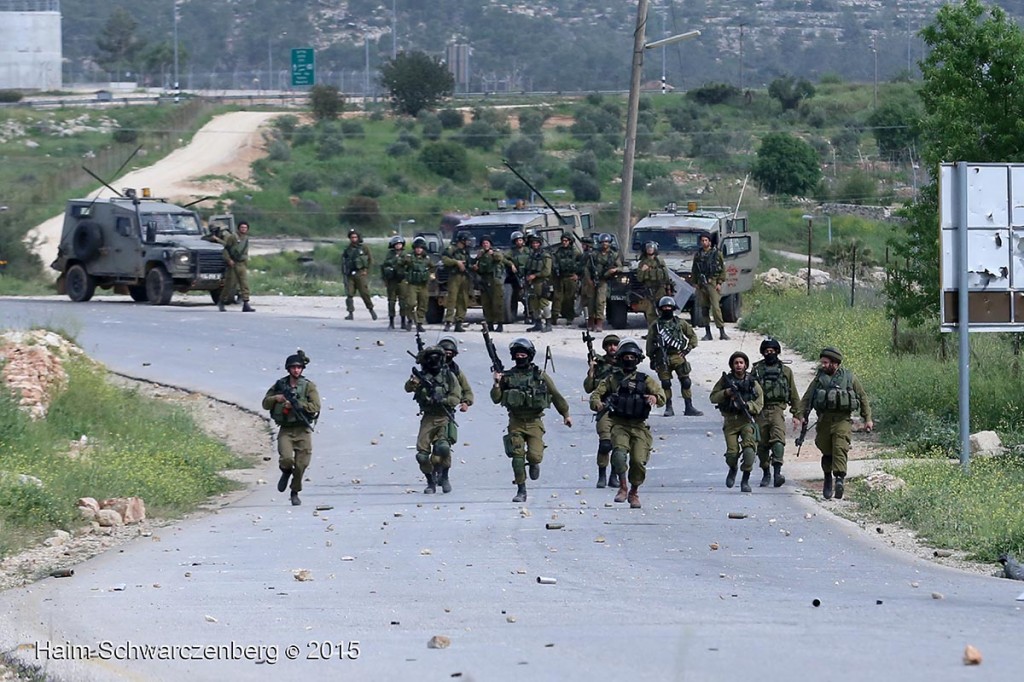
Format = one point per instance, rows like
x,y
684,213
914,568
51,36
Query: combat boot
x,y
520,493
634,497
826,488
246,308
536,325
419,328
599,326
602,477
690,410
547,326
840,485
459,327
403,323
623,489
295,500
431,486
669,412
777,474
391,322
766,477
534,472
447,326
282,482
745,482
707,334
730,478
350,316
220,307
446,486
373,315
613,479
722,335
499,328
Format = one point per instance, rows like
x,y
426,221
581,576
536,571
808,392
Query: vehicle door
x,y
741,253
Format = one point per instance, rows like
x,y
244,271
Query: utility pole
x,y
626,200
177,83
874,97
741,56
394,28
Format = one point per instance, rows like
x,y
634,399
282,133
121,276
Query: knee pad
x,y
686,383
515,445
620,460
519,466
423,457
442,448
604,447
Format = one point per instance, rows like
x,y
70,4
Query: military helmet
x,y
397,239
770,343
630,347
668,301
353,231
420,242
535,237
298,359
566,235
449,343
610,340
739,354
587,240
604,237
462,236
428,352
651,245
831,353
522,344
516,235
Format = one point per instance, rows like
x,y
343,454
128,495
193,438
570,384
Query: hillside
x,y
558,45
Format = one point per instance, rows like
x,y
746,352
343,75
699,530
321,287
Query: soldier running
x,y
779,387
669,339
739,398
600,368
436,390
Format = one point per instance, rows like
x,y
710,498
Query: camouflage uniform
x,y
625,393
779,388
538,279
740,432
526,391
491,266
438,430
707,276
456,260
607,265
356,261
652,272
393,273
565,273
417,266
517,256
601,368
294,438
236,276
678,339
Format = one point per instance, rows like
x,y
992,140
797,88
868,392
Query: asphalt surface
x,y
639,594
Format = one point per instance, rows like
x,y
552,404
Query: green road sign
x,y
303,66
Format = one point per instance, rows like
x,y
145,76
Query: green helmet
x,y
448,343
522,344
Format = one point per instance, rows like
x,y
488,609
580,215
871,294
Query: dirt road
x,y
217,159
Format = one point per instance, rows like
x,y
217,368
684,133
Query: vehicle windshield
x,y
501,235
668,240
172,223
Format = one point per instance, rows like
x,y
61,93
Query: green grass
x,y
136,447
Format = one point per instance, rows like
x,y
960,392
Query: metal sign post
x,y
303,66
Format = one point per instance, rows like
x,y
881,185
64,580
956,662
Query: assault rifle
x,y
659,346
736,400
433,387
609,406
492,352
419,346
804,426
288,391
589,340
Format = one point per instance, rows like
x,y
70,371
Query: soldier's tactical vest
x,y
835,393
774,382
239,251
657,272
487,268
604,262
671,333
535,264
391,268
566,262
706,263
629,399
525,391
358,257
434,397
418,269
602,368
745,388
283,413
457,254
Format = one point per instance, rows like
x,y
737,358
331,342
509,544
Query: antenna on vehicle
x,y
199,200
116,173
744,187
536,191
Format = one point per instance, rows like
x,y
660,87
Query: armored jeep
x,y
145,247
499,225
677,233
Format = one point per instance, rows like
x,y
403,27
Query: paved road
x,y
639,594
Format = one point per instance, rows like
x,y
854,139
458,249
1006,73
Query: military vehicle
x,y
677,234
136,244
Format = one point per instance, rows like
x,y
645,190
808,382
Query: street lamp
x,y
874,96
177,83
639,45
410,221
810,223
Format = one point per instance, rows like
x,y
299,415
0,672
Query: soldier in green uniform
x,y
779,388
601,367
652,272
539,267
294,405
451,349
436,390
588,280
236,256
669,339
355,262
392,271
565,277
417,267
526,391
490,266
606,264
835,394
707,276
739,398
517,257
628,396
456,261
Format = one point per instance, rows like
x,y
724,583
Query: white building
x,y
30,45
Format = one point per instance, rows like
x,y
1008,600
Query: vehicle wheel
x,y
87,240
159,286
79,284
138,293
731,308
435,313
617,314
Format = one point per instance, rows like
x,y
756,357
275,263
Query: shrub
x,y
585,162
330,146
372,188
398,148
447,159
410,138
353,129
521,150
126,135
10,96
584,187
432,128
326,101
361,211
479,135
450,119
287,124
714,93
279,151
304,181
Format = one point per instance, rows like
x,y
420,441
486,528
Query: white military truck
x,y
677,233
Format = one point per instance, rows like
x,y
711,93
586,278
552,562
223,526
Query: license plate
x,y
209,275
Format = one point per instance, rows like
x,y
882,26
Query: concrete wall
x,y
30,50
